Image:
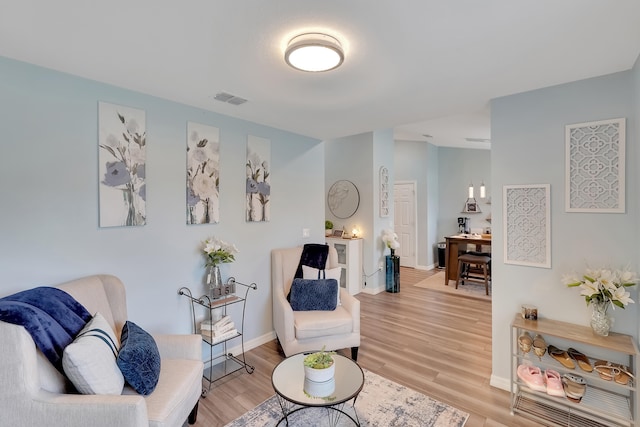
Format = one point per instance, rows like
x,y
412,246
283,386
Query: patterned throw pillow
x,y
309,295
139,359
329,273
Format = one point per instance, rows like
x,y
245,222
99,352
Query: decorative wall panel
x,y
527,233
595,159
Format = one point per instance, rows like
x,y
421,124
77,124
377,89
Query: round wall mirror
x,y
343,199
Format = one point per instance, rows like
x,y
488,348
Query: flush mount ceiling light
x,y
314,52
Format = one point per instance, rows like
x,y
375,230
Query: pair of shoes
x,y
583,361
549,382
539,346
561,356
607,370
524,342
613,371
532,377
574,387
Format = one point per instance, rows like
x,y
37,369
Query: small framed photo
x,y
338,233
472,207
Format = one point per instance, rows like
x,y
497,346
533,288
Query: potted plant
x,y
319,366
328,228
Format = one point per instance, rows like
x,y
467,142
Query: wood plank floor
x,y
436,343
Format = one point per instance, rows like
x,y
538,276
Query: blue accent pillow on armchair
x,y
139,358
309,295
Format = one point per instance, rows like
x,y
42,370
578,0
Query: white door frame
x,y
414,184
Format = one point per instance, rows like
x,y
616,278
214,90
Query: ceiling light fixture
x,y
314,52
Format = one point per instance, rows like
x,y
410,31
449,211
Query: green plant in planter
x,y
328,225
319,360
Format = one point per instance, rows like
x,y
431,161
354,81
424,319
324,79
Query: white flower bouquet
x,y
218,251
390,239
604,286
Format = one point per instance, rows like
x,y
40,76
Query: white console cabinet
x,y
350,260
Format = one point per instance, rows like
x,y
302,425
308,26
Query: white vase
x,y
319,375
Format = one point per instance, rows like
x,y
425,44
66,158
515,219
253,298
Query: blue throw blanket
x,y
50,315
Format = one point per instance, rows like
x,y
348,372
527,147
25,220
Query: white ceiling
x,y
418,66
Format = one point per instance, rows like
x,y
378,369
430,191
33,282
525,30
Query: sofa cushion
x,y
312,324
90,360
318,294
328,273
139,358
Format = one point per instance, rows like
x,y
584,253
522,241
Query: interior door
x,y
404,201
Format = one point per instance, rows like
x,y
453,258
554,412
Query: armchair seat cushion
x,y
174,391
312,324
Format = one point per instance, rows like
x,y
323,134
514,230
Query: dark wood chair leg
x,y
354,353
194,414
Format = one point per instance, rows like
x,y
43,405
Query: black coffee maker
x,y
463,225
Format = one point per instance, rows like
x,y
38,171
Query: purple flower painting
x,y
122,157
258,183
203,174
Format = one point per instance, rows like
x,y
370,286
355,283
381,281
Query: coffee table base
x,y
334,412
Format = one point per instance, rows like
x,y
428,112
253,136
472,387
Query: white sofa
x,y
299,331
34,393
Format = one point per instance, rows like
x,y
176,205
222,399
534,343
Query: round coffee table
x,y
294,394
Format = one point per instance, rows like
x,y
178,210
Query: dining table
x,y
457,244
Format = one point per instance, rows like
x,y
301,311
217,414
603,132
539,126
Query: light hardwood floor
x,y
436,343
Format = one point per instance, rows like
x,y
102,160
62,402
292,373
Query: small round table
x,y
288,381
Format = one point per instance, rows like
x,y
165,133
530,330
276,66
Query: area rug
x,y
473,290
381,403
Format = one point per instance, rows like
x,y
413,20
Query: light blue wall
x,y
442,175
413,162
528,143
358,158
458,168
49,198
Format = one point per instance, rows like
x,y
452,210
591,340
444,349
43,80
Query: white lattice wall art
x,y
527,233
595,166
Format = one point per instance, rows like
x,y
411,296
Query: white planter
x,y
319,389
320,375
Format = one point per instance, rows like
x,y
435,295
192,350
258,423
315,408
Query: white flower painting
x,y
122,163
258,182
203,174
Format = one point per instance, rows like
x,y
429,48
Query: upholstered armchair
x,y
34,393
300,331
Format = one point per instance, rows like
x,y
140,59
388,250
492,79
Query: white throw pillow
x,y
311,273
90,360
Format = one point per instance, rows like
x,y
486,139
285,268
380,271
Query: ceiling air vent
x,y
229,98
477,139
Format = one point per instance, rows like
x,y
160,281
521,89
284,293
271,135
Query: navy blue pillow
x,y
139,359
319,294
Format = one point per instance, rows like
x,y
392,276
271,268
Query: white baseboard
x,y
500,382
371,290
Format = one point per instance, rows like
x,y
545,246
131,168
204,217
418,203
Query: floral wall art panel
x,y
527,226
122,164
203,174
258,181
595,160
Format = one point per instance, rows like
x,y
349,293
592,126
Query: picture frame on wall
x,y
471,207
